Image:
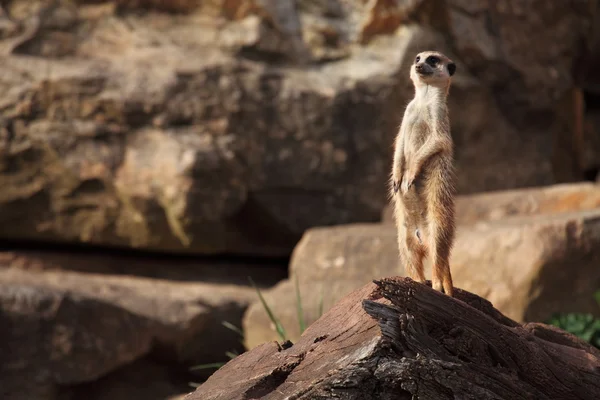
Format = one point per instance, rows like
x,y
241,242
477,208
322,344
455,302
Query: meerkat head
x,y
432,68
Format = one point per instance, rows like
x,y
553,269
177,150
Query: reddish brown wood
x,y
398,339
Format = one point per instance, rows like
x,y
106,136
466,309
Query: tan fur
x,y
423,179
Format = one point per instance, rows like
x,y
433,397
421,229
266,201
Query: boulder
x,y
204,153
234,126
64,327
143,379
530,202
398,339
528,266
499,205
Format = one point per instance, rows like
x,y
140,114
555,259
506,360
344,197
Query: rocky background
x,y
155,154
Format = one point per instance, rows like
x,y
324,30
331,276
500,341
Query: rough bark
x,y
397,339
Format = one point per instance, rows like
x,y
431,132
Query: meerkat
x,y
422,183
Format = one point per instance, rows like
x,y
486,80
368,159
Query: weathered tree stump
x,y
398,339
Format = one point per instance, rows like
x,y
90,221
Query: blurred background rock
x,y
154,154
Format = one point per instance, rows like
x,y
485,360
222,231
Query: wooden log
x,y
398,339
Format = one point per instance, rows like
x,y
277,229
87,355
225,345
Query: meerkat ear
x,y
451,69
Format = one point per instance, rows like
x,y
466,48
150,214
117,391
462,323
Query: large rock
x,y
200,152
528,266
64,327
499,205
530,128
200,128
143,379
398,339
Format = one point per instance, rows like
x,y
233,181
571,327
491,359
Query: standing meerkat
x,y
423,179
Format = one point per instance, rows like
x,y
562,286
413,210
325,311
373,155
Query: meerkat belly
x,y
415,203
415,207
417,134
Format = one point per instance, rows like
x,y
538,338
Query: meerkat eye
x,y
417,59
432,60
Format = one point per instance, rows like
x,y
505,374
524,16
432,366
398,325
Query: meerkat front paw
x,y
396,180
407,182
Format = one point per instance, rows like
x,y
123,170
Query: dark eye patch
x,y
432,60
417,59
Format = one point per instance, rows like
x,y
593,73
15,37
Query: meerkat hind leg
x,y
448,285
411,254
439,250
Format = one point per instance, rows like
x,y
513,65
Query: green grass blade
x,y
216,365
278,326
231,354
320,311
232,327
299,309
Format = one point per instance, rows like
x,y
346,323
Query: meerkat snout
x,y
422,70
